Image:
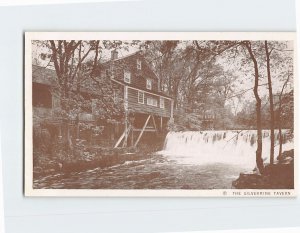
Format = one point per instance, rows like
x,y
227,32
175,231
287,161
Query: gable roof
x,y
43,75
46,76
121,58
139,53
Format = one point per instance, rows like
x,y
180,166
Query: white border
x,y
267,230
2,224
160,35
51,2
29,191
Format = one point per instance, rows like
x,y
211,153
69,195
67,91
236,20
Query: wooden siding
x,y
134,106
138,76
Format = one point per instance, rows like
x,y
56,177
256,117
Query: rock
x,y
286,157
277,176
248,181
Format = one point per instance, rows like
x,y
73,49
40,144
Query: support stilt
x,y
122,137
141,133
154,124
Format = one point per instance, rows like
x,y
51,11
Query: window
x,y
149,84
127,77
107,73
141,97
161,102
152,101
138,64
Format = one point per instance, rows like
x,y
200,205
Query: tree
x,y
168,63
68,58
272,120
80,87
259,160
280,112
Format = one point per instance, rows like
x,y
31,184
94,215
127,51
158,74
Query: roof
x,y
130,55
121,58
43,75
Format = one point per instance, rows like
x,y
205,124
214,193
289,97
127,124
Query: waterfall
x,y
233,147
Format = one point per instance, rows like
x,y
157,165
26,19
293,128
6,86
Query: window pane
x,y
139,64
162,102
149,84
141,97
152,101
148,101
127,77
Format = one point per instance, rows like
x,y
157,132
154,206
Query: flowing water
x,y
189,160
226,147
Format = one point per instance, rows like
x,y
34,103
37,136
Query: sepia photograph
x,y
159,114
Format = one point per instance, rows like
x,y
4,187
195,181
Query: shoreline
x,y
280,175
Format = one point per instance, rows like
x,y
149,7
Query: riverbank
x,y
153,172
277,176
84,158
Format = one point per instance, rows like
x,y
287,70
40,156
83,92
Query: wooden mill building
x,y
147,108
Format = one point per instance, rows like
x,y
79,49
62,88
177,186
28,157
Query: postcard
x,y
160,114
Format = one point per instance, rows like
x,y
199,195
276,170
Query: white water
x,y
230,147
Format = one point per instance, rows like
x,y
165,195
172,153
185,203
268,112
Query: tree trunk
x,y
259,161
279,115
280,140
272,136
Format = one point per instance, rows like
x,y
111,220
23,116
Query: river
x,y
189,160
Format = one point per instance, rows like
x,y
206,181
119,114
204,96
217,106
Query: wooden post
x,y
153,119
141,133
120,140
112,131
132,136
126,130
123,136
126,114
161,124
126,136
172,110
